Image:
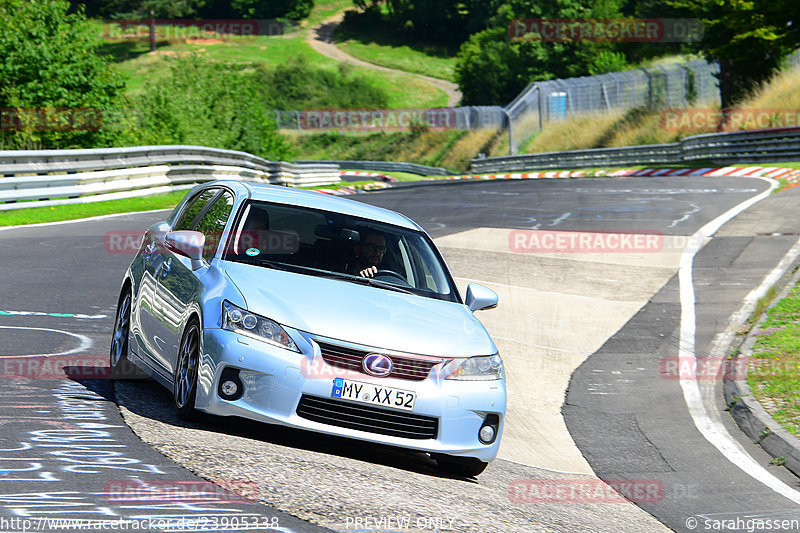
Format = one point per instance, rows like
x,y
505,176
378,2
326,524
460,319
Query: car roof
x,y
316,200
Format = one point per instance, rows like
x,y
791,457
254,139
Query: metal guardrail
x,y
776,144
50,177
388,166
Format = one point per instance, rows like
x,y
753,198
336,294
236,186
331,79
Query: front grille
x,y
367,418
350,359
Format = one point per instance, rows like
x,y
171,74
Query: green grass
x,y
139,65
324,9
36,215
386,50
774,368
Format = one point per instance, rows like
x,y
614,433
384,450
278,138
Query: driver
x,y
369,252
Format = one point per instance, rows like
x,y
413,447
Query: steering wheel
x,y
391,274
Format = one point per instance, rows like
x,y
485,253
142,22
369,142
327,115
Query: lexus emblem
x,y
376,364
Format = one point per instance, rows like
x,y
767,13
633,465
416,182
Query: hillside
x,y
134,59
778,100
375,45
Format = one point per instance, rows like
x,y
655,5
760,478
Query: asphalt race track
x,y
66,451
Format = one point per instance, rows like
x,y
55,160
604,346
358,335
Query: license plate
x,y
373,394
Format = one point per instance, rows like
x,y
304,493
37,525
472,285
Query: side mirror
x,y
480,297
188,243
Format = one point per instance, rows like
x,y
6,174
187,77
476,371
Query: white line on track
x,y
713,429
6,312
84,342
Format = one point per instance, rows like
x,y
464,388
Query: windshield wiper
x,y
377,283
328,274
362,281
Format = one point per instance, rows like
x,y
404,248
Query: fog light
x,y
488,432
230,386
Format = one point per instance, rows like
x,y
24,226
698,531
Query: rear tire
x,y
185,380
461,466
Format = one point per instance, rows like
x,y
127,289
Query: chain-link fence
x,y
673,85
676,85
373,120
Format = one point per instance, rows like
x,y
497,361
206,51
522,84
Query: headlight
x,y
486,368
258,327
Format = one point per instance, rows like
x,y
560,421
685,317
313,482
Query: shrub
x,y
206,104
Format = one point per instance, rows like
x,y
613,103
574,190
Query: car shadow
x,y
150,400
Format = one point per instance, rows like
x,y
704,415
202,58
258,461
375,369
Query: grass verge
x,y
774,367
387,51
37,215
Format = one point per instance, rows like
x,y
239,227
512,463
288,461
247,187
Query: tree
x,y
259,9
138,9
49,62
448,22
750,39
492,68
208,104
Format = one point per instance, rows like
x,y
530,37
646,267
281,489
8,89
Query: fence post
x,y
684,77
541,118
510,133
666,84
649,87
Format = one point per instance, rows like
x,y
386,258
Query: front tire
x,y
185,381
118,356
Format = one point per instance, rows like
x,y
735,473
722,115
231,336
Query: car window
x,y
318,242
213,223
194,208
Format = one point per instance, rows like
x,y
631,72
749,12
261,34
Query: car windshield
x,y
321,243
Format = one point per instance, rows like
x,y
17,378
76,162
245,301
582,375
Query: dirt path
x,y
320,38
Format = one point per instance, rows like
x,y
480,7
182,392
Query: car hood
x,y
362,314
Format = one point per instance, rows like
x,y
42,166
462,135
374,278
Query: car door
x,y
158,262
178,285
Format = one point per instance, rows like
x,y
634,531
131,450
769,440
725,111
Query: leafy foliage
x,y
206,104
220,9
298,85
140,8
493,68
442,21
749,38
607,61
49,63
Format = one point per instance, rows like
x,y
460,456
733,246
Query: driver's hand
x,y
368,272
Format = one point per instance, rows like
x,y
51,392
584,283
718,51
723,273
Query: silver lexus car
x,y
316,312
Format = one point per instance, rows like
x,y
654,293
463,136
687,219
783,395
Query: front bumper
x,y
275,379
